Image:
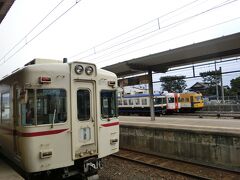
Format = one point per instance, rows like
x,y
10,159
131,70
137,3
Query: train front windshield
x,y
108,104
198,98
161,100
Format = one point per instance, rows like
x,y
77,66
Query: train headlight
x,y
89,70
78,69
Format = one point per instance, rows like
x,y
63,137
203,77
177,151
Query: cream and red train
x,y
59,117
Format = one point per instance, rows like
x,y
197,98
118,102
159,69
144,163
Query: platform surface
x,y
7,173
187,123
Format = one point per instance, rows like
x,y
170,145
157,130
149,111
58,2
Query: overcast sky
x,y
84,31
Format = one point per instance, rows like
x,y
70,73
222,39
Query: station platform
x,y
211,124
7,173
208,141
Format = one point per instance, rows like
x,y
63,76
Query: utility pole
x,y
216,81
150,84
222,88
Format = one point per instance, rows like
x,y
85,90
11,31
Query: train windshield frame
x,y
108,104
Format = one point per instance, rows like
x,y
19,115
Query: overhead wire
x,y
170,39
24,37
172,25
76,2
77,54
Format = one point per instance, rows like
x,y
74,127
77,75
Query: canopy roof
x,y
5,5
226,46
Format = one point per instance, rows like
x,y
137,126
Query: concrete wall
x,y
222,107
210,148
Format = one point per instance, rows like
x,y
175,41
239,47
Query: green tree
x,y
212,78
235,85
173,83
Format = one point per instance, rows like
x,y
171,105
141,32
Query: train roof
x,y
141,95
47,65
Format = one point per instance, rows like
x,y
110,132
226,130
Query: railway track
x,y
185,169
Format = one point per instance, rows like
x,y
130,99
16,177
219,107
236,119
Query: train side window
x,y
51,106
119,102
144,101
27,108
130,102
83,104
137,101
187,99
125,102
5,107
108,104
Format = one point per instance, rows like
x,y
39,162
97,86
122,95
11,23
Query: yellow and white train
x,y
59,117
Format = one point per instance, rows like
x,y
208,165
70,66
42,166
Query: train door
x,y
191,100
176,101
15,121
84,141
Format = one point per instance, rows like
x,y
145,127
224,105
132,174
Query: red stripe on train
x,y
110,124
32,134
41,133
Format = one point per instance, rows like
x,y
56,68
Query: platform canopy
x,y
5,5
223,47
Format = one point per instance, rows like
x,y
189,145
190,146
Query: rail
x,y
188,170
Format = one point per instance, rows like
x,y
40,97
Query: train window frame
x,y
3,108
60,111
112,112
86,106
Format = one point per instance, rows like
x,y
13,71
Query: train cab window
x,y
198,98
108,104
5,107
170,100
51,106
160,100
83,104
157,101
